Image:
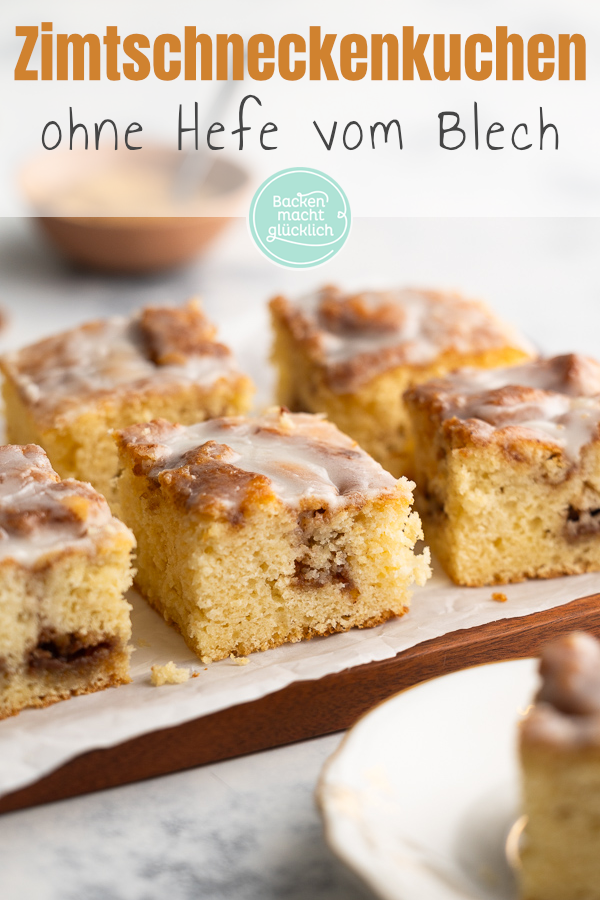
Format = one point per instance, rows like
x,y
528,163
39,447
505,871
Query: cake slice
x,y
352,356
64,568
508,469
560,761
256,531
66,392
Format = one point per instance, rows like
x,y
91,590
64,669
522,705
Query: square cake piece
x,y
68,391
256,531
352,356
560,766
64,568
508,470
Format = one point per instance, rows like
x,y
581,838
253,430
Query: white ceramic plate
x,y
421,796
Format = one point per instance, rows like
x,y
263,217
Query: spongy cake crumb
x,y
239,660
242,561
499,597
168,674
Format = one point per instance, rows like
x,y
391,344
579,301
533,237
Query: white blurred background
x,y
541,274
422,180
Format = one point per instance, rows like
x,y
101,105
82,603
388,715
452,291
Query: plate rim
x,y
368,878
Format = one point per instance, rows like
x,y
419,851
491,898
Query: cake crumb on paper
x,y
239,660
499,597
206,660
168,674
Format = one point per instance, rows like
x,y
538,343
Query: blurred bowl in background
x,y
132,245
115,211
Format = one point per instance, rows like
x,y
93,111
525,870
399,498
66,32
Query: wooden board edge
x,y
304,709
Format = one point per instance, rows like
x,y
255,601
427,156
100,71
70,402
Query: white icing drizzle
x,y
301,455
549,407
541,374
36,515
429,324
106,357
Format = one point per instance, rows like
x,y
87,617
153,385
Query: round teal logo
x,y
299,218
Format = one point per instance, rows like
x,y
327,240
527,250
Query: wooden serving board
x,y
305,709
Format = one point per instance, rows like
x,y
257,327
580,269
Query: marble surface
x,y
249,828
243,829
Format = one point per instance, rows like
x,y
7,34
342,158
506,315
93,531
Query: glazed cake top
x,y
556,401
222,467
356,337
40,514
156,347
567,710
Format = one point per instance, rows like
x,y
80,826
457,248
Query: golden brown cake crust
x,y
352,338
303,633
172,336
226,466
39,513
101,682
507,468
64,567
552,404
158,349
254,532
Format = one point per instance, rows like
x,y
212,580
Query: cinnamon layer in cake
x,y
64,568
253,532
508,468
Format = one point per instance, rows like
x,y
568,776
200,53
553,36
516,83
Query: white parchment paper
x,y
38,741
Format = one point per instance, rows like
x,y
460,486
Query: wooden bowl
x,y
130,243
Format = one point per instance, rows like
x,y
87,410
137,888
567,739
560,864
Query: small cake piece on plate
x,y
254,532
560,762
67,391
508,469
64,568
352,356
